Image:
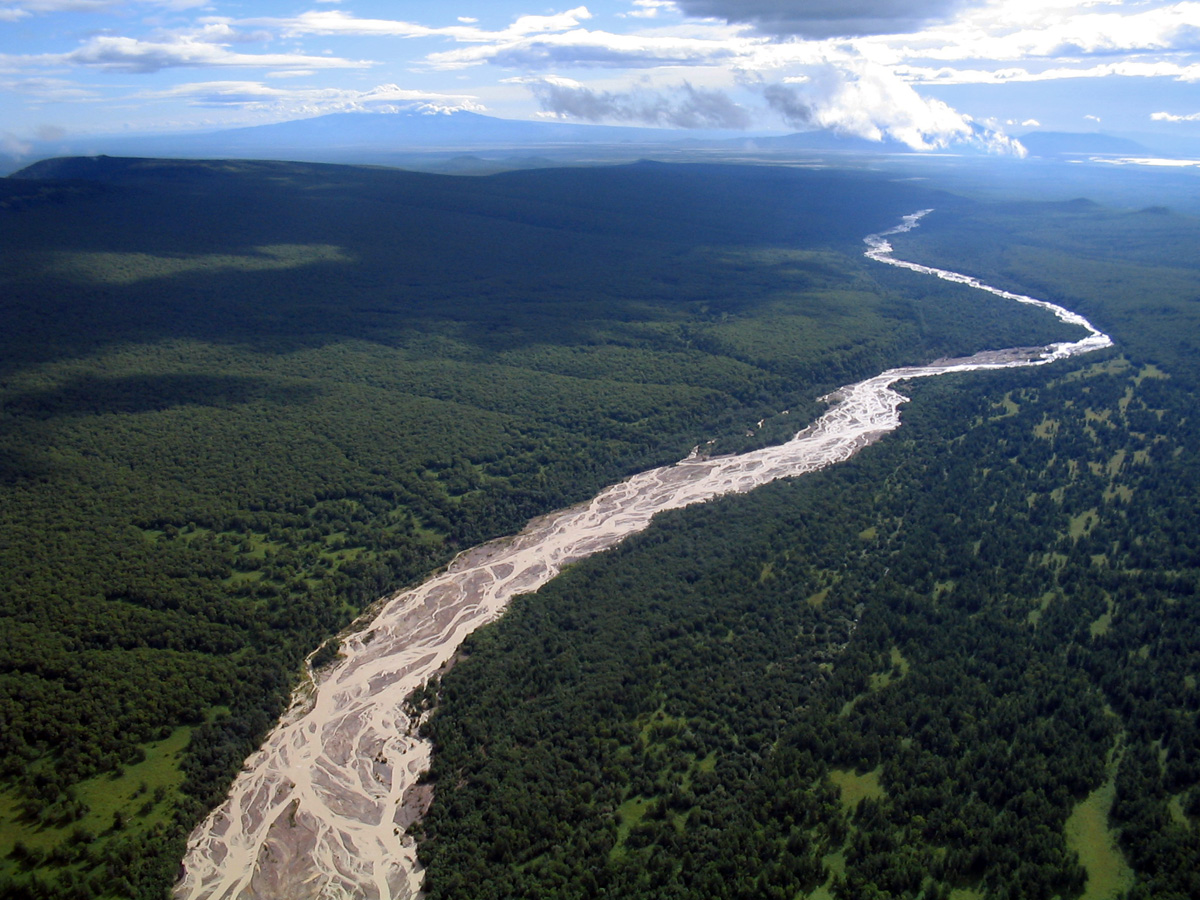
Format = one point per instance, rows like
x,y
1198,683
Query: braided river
x,y
321,809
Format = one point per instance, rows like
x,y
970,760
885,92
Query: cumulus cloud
x,y
853,97
533,42
1050,29
827,18
590,49
11,10
48,89
254,95
1171,117
649,9
11,145
684,107
1007,75
331,22
124,54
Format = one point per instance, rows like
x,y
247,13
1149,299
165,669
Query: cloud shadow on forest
x,y
96,396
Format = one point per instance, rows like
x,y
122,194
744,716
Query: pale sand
x,y
320,811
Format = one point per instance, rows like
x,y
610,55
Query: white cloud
x,y
48,90
854,97
1092,118
534,42
1170,117
860,85
254,95
124,54
1148,161
336,22
649,9
11,145
11,10
1007,30
1010,75
590,49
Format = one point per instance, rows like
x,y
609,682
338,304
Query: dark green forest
x,y
240,401
963,664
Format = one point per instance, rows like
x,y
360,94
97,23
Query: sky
x,y
930,73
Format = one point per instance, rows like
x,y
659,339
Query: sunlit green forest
x,y
241,401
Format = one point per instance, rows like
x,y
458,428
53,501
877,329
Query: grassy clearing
x,y
1047,428
1178,815
1150,370
1035,615
853,787
1009,406
817,600
1088,834
1115,463
1115,366
899,669
134,800
629,815
1119,491
133,793
835,864
1104,622
1083,523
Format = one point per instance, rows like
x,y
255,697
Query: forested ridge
x,y
240,401
963,664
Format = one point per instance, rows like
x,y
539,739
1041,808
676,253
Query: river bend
x,y
320,811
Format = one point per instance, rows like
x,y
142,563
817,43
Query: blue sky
x,y
932,73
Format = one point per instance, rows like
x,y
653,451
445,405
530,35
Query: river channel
x,y
320,811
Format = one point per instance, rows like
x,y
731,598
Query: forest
x,y
240,401
963,664
243,400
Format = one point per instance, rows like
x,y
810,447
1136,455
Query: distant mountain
x,y
1063,143
829,140
441,141
359,137
981,142
409,129
1170,144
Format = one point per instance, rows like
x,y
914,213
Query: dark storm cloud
x,y
687,107
827,18
787,102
